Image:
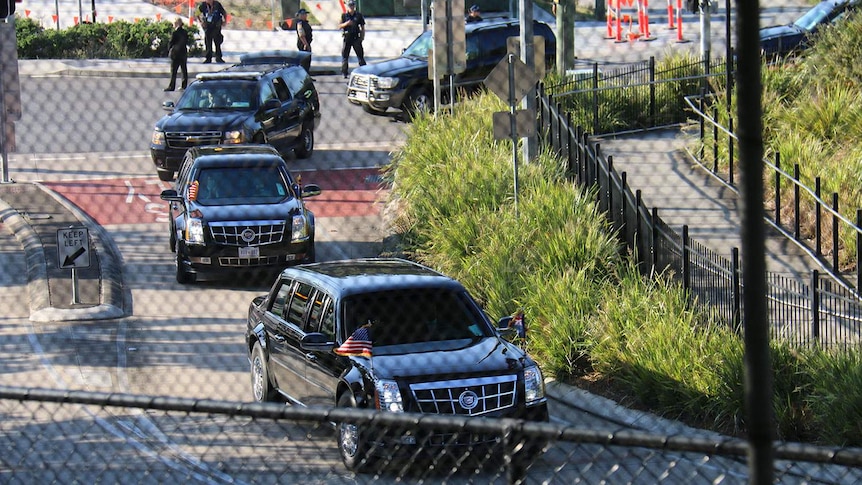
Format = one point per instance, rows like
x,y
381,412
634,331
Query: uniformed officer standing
x,y
353,31
304,36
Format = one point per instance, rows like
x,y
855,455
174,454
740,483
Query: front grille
x,y
363,82
444,397
256,234
250,262
187,139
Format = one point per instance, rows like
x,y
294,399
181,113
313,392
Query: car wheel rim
x,y
309,141
257,379
349,439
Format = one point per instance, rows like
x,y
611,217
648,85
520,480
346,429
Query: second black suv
x,y
390,335
238,207
266,98
402,83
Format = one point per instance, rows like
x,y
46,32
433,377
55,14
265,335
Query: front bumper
x,y
362,91
216,259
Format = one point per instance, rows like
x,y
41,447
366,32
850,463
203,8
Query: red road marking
x,y
345,193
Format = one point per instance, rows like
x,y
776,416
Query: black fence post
x,y
777,189
835,267
702,124
624,225
815,305
818,233
858,250
796,214
652,102
736,302
730,153
653,236
610,188
596,97
686,276
715,135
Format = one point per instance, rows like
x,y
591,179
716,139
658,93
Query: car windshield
x,y
240,185
814,17
218,96
420,47
416,315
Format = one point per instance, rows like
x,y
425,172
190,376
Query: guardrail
x,y
717,145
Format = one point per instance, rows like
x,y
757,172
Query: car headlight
x,y
387,82
232,137
534,384
298,229
158,138
194,231
388,396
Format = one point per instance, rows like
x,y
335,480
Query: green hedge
x,y
117,40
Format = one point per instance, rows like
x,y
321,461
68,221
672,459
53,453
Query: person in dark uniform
x,y
211,15
179,54
353,32
475,14
303,31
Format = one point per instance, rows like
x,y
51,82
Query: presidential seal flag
x,y
359,344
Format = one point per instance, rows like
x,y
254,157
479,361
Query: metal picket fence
x,y
822,313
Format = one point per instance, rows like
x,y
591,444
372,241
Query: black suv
x,y
402,83
238,207
392,335
266,98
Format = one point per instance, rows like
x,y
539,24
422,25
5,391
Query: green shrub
x,y
116,40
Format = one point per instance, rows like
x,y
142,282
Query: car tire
x,y
165,175
305,143
183,276
262,389
172,239
352,443
418,101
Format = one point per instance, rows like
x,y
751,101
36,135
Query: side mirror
x,y
168,106
316,342
170,195
310,190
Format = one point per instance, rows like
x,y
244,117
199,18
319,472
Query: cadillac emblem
x,y
468,400
247,234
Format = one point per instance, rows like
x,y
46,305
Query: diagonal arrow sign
x,y
70,259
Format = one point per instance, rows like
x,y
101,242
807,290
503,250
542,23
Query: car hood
x,y
393,67
244,212
448,358
789,30
184,120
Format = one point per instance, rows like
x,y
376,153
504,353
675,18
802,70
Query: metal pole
x,y
758,362
75,298
531,143
4,152
513,126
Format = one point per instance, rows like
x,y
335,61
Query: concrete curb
x,y
111,280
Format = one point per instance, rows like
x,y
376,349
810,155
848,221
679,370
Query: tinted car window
x,y
320,318
234,185
280,298
214,95
296,81
295,313
420,47
410,316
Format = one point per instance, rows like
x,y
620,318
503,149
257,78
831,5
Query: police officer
x,y
304,36
475,14
211,15
353,33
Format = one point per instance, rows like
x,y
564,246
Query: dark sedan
x,y
784,40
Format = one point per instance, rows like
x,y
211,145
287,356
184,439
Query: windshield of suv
x,y
415,315
218,95
420,47
240,185
814,17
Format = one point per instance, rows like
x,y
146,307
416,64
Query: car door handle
x,y
278,338
311,357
